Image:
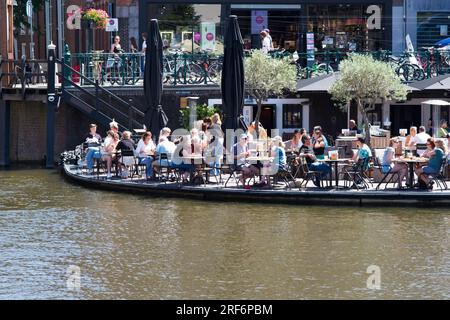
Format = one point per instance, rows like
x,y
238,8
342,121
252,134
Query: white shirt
x,y
143,150
266,45
144,45
420,138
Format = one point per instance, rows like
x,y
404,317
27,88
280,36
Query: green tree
x,y
20,19
266,77
367,81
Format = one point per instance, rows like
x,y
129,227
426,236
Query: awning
x,y
437,103
441,82
323,83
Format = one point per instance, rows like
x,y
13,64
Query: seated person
x,y
307,152
93,141
420,138
183,149
364,152
388,166
435,155
279,162
443,129
319,144
296,142
353,127
145,151
241,152
164,147
126,144
108,150
409,142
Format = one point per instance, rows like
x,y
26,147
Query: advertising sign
x,y
259,21
208,34
310,53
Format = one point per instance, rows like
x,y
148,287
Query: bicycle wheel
x,y
323,68
406,72
214,72
419,73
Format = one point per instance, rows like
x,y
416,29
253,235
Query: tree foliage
x,y
20,19
367,81
266,77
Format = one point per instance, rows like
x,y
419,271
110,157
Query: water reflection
x,y
130,246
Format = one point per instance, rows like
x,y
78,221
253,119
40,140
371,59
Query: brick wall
x,y
29,130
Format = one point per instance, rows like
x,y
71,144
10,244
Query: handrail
x,y
120,113
97,86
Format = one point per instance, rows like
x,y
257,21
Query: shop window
x,y
292,116
189,27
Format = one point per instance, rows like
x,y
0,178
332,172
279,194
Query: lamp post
x,y
52,102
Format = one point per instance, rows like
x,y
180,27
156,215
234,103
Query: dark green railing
x,y
182,68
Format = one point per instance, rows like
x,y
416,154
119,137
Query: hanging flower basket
x,y
94,18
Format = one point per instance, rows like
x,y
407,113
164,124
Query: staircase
x,y
96,102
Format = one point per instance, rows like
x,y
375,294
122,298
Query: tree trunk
x,y
258,115
366,124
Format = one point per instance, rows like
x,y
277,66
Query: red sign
x,y
259,20
209,36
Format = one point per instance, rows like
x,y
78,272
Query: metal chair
x,y
439,178
356,175
309,175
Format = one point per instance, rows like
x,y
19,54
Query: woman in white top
x,y
265,40
145,151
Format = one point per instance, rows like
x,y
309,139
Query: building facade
x,y
338,25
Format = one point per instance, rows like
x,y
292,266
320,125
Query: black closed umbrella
x,y
155,117
233,74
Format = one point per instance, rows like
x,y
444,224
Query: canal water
x,y
60,240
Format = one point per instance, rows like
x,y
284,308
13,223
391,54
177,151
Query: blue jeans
x,y
321,167
148,165
93,153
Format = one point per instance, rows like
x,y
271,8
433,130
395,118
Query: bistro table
x,y
259,158
411,162
336,168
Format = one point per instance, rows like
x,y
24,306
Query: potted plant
x,y
94,18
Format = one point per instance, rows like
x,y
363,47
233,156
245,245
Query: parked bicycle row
x,y
204,68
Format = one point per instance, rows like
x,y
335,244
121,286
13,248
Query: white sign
x,y
248,114
112,25
73,21
259,21
208,36
443,29
409,44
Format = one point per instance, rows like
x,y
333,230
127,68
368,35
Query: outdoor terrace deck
x,y
279,194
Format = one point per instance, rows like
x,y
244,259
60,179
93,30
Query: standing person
x,y
270,39
215,138
265,42
443,129
145,151
143,50
133,45
144,42
116,48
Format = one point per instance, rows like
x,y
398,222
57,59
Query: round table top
x,y
259,158
337,160
412,160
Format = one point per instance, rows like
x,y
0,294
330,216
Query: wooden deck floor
x,y
278,194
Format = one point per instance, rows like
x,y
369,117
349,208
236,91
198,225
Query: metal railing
x,y
22,73
181,68
128,68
